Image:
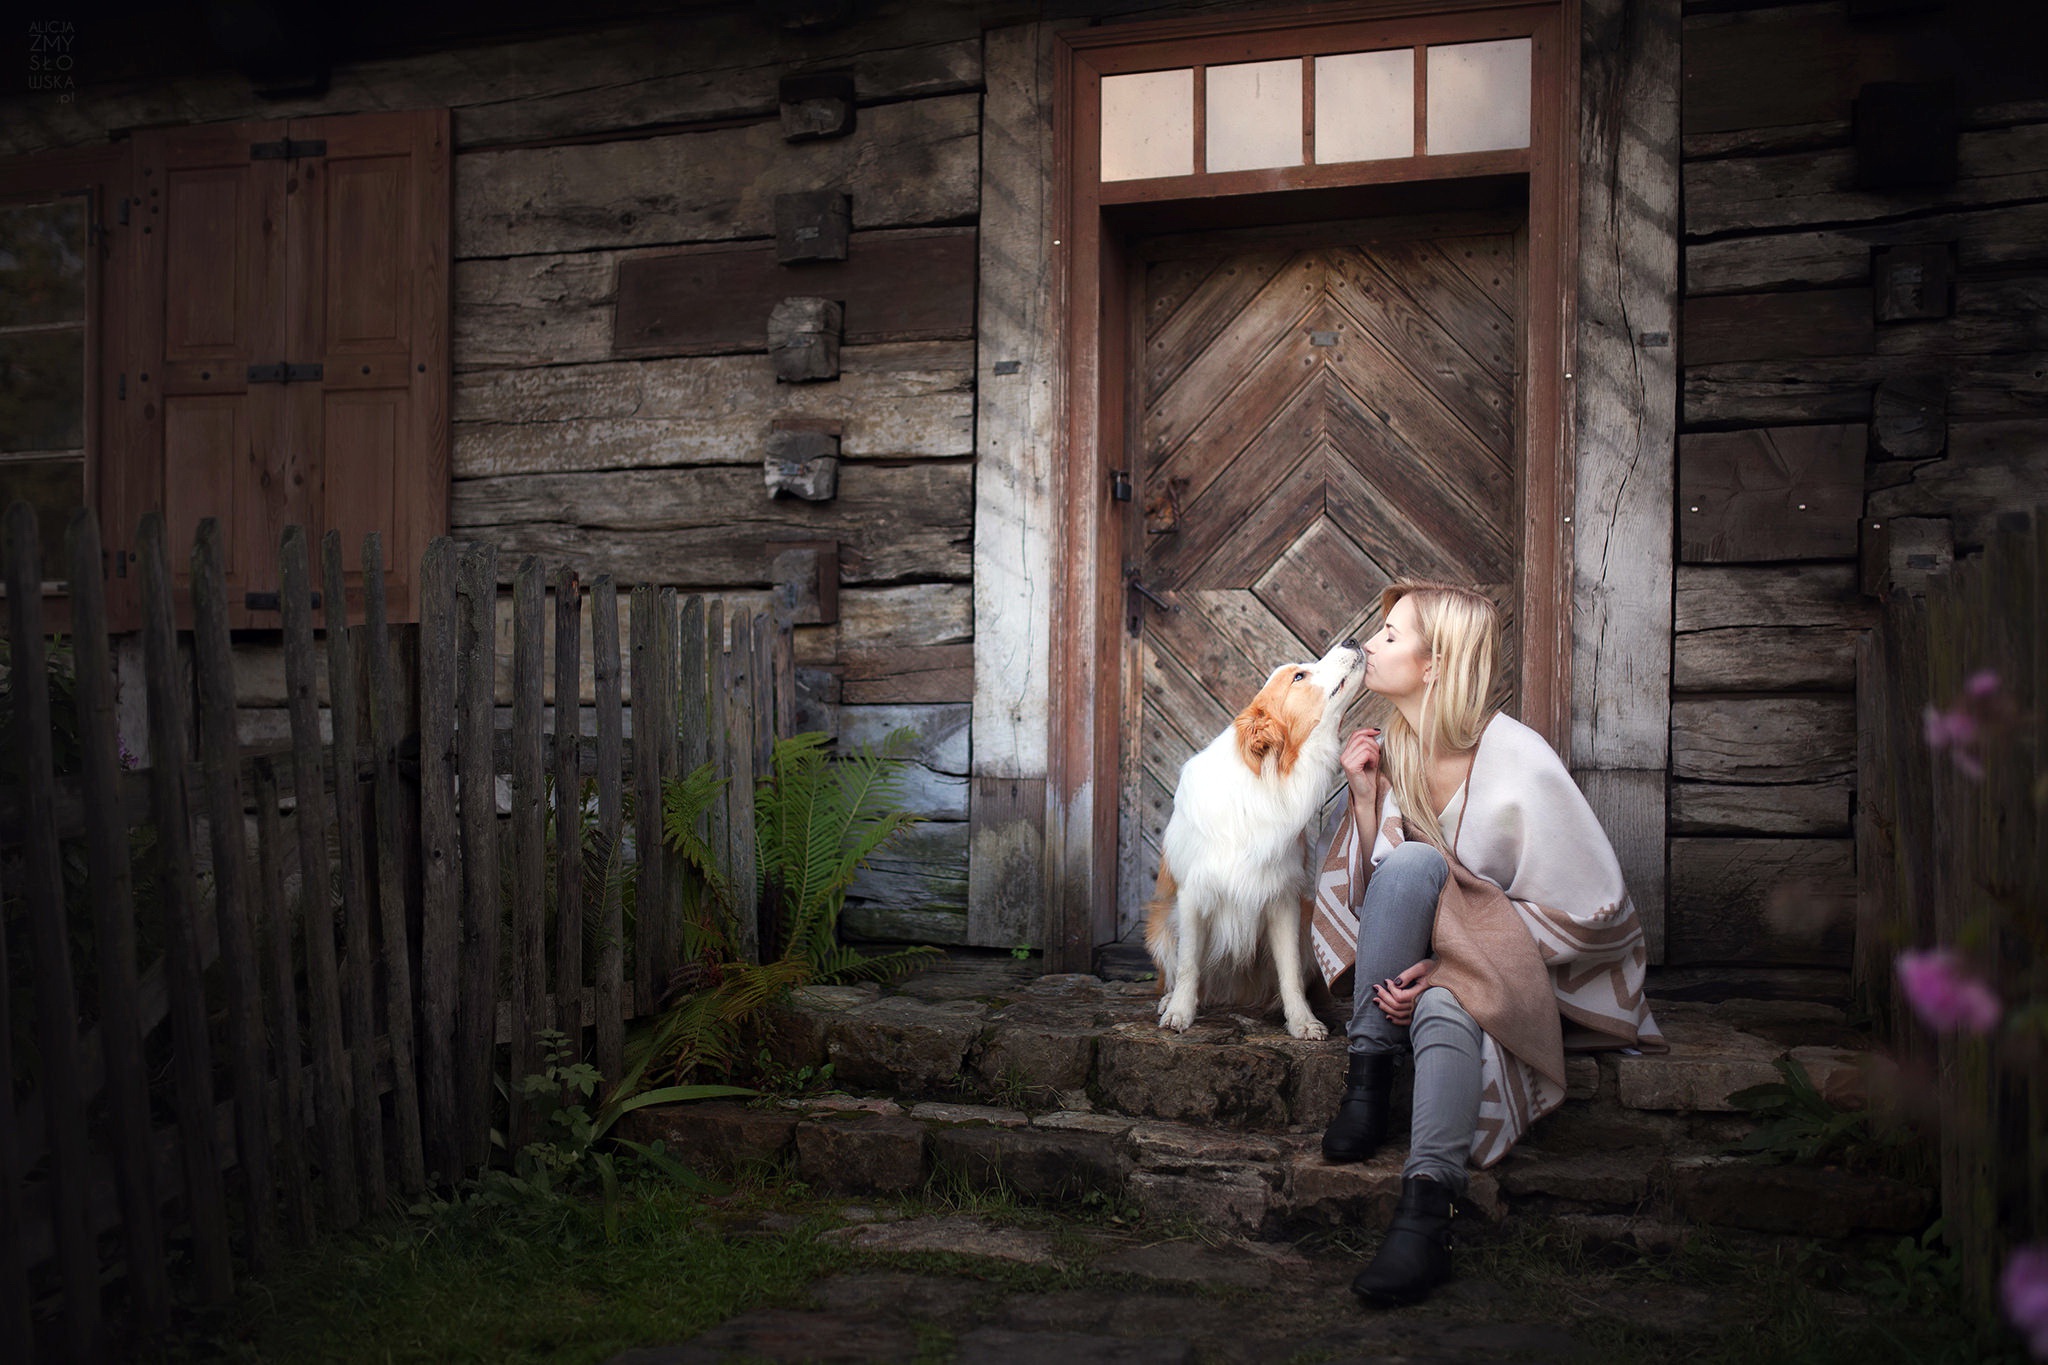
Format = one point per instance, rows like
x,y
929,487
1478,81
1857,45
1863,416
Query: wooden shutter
x,y
368,303
318,242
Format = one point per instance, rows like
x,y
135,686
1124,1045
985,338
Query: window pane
x,y
1254,116
1148,125
56,489
42,390
1478,96
1365,106
42,262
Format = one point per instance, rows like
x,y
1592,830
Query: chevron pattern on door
x,y
1311,424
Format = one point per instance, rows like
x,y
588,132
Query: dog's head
x,y
1295,702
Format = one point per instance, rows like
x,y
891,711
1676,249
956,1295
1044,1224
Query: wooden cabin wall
x,y
1833,443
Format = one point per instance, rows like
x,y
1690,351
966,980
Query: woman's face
x,y
1395,663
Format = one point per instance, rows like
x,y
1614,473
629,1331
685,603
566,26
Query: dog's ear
x,y
1259,732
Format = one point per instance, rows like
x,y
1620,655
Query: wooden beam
x,y
719,185
1739,808
916,285
1778,493
1754,901
900,401
1625,390
1763,739
1808,322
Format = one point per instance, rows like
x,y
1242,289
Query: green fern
x,y
817,820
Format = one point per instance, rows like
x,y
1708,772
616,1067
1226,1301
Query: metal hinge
x,y
283,373
287,149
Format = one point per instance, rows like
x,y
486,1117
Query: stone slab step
x,y
1056,1041
1246,1183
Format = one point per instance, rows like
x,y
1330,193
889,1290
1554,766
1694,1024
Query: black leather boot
x,y
1416,1255
1361,1122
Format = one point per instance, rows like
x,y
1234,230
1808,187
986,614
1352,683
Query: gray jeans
x,y
1393,935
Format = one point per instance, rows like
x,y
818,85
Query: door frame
x,y
1090,319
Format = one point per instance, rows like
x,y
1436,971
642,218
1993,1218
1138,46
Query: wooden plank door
x,y
1310,421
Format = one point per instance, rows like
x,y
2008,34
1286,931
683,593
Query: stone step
x,y
1061,1041
1247,1183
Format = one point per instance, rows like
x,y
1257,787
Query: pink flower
x,y
1945,993
2025,1288
1982,685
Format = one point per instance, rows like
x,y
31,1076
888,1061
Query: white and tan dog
x,y
1225,925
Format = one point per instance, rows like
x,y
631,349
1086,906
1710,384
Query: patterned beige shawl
x,y
1534,928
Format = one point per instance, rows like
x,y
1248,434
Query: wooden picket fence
x,y
314,1075
1945,858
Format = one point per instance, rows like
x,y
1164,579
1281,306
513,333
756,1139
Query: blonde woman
x,y
1465,845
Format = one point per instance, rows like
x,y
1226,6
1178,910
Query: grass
x,y
467,1283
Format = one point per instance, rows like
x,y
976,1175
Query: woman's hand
x,y
1361,760
1396,997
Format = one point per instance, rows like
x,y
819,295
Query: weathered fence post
x,y
192,1053
391,871
650,895
529,846
50,939
359,999
17,1324
673,870
568,809
316,916
113,898
220,763
718,687
738,742
440,859
290,1110
611,966
479,809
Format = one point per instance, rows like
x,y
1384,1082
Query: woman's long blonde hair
x,y
1460,632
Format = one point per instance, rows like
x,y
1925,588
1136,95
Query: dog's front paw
x,y
1179,1015
1309,1029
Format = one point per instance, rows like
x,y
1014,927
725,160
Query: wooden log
x,y
610,1003
898,401
1807,322
440,858
1765,659
1797,188
935,674
916,285
17,1302
219,762
568,977
1836,389
393,872
744,689
1625,395
684,70
615,77
359,980
56,1000
529,844
719,184
650,896
287,1097
2001,238
924,868
192,1049
1790,808
881,618
1797,65
1720,597
710,527
1763,739
864,921
1779,901
1779,493
112,888
1991,467
477,592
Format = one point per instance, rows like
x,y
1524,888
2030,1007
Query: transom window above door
x,y
1434,99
